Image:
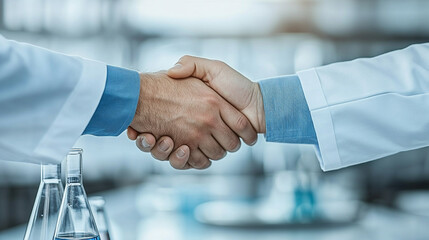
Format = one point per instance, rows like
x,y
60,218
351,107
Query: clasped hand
x,y
196,112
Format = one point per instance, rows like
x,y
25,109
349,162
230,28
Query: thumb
x,y
190,66
179,71
228,83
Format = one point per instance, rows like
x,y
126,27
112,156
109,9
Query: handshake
x,y
196,112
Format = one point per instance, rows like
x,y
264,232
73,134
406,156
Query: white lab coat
x,y
46,101
369,108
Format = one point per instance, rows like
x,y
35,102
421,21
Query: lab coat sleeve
x,y
46,101
369,108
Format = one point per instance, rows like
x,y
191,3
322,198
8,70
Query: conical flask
x,y
97,206
75,220
47,204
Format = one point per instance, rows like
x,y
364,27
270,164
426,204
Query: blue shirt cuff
x,y
118,103
287,116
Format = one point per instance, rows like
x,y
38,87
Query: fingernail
x,y
254,142
180,153
163,146
145,144
177,66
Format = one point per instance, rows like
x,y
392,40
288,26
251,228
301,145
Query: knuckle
x,y
241,123
219,63
212,100
185,58
210,120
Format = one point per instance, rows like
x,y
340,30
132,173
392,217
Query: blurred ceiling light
x,y
194,17
72,17
403,17
337,17
11,18
69,17
309,54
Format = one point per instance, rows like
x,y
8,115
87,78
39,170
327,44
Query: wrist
x,y
260,112
138,113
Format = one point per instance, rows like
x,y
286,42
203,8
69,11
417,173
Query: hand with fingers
x,y
189,114
161,149
236,89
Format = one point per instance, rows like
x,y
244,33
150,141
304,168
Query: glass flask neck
x,y
51,172
74,166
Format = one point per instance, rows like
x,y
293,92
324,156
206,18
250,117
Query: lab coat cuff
x,y
78,108
326,150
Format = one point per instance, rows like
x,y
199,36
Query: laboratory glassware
x,y
97,206
75,220
44,215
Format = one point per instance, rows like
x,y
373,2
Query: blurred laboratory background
x,y
269,191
